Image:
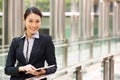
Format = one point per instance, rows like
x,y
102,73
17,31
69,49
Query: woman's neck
x,y
28,34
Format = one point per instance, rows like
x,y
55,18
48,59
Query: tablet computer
x,y
38,69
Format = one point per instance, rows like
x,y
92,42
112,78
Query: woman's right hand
x,y
28,69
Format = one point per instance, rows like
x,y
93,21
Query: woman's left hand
x,y
40,72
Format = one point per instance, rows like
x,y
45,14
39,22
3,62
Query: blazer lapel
x,y
21,45
34,48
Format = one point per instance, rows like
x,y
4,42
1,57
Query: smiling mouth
x,y
33,29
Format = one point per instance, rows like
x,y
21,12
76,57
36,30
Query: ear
x,y
24,24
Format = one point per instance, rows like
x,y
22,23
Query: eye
x,y
37,21
30,20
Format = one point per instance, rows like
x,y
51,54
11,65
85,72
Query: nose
x,y
33,24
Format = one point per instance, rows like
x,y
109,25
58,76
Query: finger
x,y
33,68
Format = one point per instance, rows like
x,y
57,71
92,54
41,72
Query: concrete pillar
x,y
115,18
15,18
103,29
59,28
52,18
87,19
74,21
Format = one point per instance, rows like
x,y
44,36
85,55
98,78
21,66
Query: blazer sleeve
x,y
50,56
10,68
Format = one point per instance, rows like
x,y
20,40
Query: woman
x,y
29,52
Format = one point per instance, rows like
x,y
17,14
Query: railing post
x,y
106,69
111,66
79,73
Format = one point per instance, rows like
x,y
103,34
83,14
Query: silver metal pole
x,y
111,72
79,73
106,69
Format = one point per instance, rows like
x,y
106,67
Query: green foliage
x,y
27,3
43,5
68,5
0,5
96,26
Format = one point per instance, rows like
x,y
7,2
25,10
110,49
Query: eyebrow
x,y
33,19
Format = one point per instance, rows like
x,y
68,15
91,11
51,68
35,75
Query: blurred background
x,y
86,34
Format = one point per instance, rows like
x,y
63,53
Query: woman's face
x,y
32,23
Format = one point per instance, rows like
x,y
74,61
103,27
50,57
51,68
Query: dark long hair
x,y
30,10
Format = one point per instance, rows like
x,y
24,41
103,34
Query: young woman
x,y
30,51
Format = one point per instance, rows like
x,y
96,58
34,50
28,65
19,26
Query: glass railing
x,y
79,59
101,68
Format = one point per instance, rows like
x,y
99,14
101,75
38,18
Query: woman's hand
x,y
29,69
40,72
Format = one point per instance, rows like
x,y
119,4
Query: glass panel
x,y
2,75
111,24
0,5
96,5
2,60
95,26
73,54
104,47
43,5
111,6
118,44
97,49
45,22
0,30
60,57
113,45
68,5
84,51
44,28
67,28
27,3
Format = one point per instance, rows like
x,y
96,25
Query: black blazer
x,y
43,50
